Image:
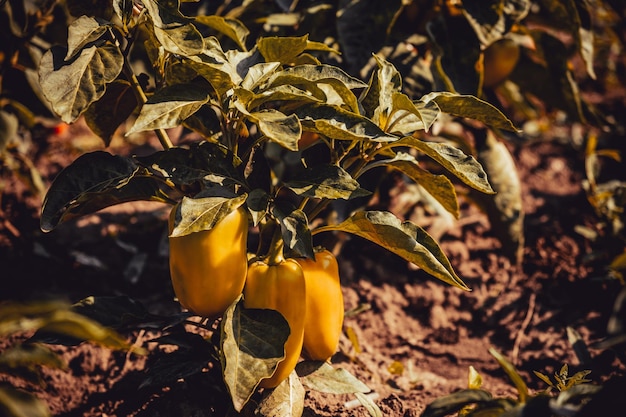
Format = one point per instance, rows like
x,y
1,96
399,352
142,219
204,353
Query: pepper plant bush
x,y
257,108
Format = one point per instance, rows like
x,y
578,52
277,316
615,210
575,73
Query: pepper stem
x,y
275,255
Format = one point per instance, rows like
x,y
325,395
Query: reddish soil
x,y
434,331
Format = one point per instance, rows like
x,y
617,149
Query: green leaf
x,y
286,400
124,11
285,49
516,378
405,117
258,73
169,107
221,76
492,19
23,317
9,125
258,203
173,30
97,180
184,40
107,114
451,403
232,28
319,73
339,81
474,379
30,355
369,404
198,214
377,98
439,186
204,161
71,86
83,31
294,227
337,123
429,112
19,403
544,378
276,94
252,345
583,32
71,324
465,167
405,239
322,377
471,107
326,181
278,127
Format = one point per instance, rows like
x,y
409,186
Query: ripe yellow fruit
x,y
324,306
208,268
500,58
279,287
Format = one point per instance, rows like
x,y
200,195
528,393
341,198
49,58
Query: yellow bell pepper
x,y
324,306
279,286
208,268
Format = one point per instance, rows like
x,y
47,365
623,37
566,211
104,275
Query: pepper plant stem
x,y
161,134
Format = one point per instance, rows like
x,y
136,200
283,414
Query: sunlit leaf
x,y
319,73
439,186
279,93
258,73
377,99
285,49
252,345
281,49
169,107
544,378
405,239
464,166
221,76
406,117
326,181
368,403
83,31
173,30
198,214
474,379
108,113
72,86
19,403
278,127
516,378
323,377
471,107
232,28
286,400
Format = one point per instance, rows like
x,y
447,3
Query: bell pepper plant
x,y
281,137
